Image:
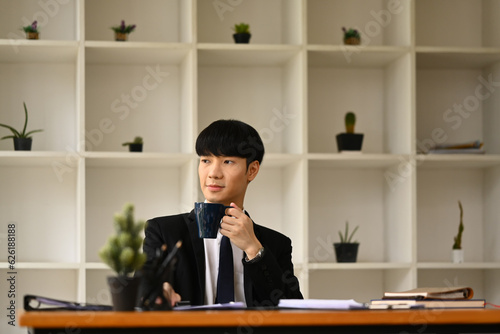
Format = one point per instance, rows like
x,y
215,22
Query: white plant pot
x,y
457,255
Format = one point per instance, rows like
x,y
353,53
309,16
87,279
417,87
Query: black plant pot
x,y
22,144
346,252
135,147
124,292
242,38
349,141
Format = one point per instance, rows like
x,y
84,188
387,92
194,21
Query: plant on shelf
x,y
349,141
242,33
122,31
346,250
22,139
351,36
136,145
457,251
31,30
122,254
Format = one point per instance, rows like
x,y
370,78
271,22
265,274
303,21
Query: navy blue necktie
x,y
225,280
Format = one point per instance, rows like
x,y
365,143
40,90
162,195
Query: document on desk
x,y
226,306
321,304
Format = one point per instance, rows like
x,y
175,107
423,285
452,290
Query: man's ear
x,y
252,170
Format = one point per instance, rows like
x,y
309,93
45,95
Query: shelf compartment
x,y
135,53
379,22
438,214
269,98
57,20
370,283
151,100
453,161
155,190
133,159
456,58
356,160
157,20
279,21
456,106
27,51
35,85
335,196
383,113
354,56
43,209
468,23
245,55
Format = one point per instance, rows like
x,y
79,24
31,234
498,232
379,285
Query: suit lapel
x,y
199,252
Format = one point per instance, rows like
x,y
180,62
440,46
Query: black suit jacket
x,y
265,281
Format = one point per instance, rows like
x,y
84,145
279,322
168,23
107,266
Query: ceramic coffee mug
x,y
208,217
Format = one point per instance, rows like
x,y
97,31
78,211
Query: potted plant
x,y
136,145
122,31
31,30
242,33
22,139
122,254
349,141
457,251
351,36
346,250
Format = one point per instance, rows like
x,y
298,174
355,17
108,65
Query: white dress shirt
x,y
212,250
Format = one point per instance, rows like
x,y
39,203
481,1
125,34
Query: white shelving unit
x,y
427,71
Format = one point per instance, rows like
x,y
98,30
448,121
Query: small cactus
x,y
350,122
458,238
122,250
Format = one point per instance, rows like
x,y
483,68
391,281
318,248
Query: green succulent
x,y
458,238
122,250
137,140
242,28
346,238
351,33
350,122
20,134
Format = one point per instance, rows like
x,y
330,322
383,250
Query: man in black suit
x,y
231,153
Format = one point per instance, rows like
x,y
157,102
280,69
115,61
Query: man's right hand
x,y
170,294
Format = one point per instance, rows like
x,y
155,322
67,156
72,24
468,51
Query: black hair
x,y
231,138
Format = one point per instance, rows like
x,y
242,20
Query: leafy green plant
x,y
122,250
31,28
241,28
20,134
457,244
123,28
351,33
350,122
346,238
137,140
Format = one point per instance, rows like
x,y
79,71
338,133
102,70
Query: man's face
x,y
225,179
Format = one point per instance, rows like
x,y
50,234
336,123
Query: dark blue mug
x,y
208,217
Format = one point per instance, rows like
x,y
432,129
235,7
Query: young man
x,y
231,153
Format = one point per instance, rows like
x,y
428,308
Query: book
x,y
429,303
456,292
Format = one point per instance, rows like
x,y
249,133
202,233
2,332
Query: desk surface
x,y
264,318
